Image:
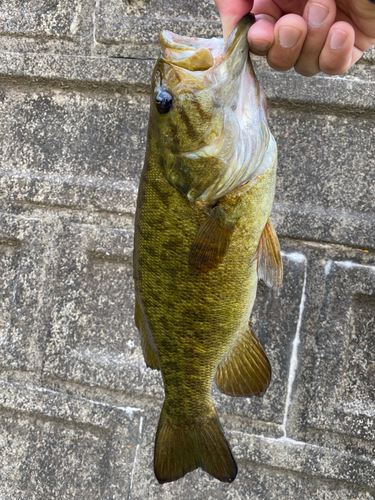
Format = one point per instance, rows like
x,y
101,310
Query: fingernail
x,y
259,45
338,39
317,15
288,37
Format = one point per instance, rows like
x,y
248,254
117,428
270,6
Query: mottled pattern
x,y
204,199
195,318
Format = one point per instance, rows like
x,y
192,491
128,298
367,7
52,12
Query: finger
x,y
268,7
290,32
260,34
319,16
231,12
362,40
337,54
361,15
290,6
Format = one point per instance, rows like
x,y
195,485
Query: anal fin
x,y
246,371
212,241
270,264
150,356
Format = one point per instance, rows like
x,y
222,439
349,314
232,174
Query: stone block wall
x,y
78,408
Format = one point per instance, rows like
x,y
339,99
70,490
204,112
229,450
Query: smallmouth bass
x,y
203,238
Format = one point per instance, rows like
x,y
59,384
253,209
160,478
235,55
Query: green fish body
x,y
202,240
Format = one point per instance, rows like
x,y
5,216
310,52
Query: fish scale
x,y
195,262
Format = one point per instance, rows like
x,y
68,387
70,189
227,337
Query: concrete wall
x,y
78,408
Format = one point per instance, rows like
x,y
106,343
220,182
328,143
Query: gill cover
x,y
214,137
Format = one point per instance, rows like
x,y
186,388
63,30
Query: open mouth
x,y
200,54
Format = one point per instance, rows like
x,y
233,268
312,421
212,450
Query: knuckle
x,y
332,69
305,71
280,65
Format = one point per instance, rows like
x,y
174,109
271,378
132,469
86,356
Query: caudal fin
x,y
182,447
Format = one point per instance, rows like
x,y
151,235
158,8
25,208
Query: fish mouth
x,y
201,54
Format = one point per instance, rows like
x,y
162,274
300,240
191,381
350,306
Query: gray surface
x,y
78,407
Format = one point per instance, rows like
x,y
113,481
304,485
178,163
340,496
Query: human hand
x,y
309,35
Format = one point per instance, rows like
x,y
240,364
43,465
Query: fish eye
x,y
163,101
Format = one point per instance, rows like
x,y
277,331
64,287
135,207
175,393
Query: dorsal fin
x,y
270,264
212,241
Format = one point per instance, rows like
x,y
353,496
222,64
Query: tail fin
x,y
182,447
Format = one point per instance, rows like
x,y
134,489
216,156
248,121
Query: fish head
x,y
198,108
186,111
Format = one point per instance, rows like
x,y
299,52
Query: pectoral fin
x,y
246,371
270,264
212,241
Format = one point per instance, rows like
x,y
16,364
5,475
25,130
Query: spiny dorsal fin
x,y
212,241
270,264
246,371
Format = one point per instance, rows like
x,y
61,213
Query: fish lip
x,y
191,53
179,50
238,38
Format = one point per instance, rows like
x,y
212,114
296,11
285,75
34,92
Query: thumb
x,y
231,11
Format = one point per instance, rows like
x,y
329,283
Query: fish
x,y
203,239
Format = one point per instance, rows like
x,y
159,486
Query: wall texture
x,y
78,408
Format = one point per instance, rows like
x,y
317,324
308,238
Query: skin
x,y
192,318
309,35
